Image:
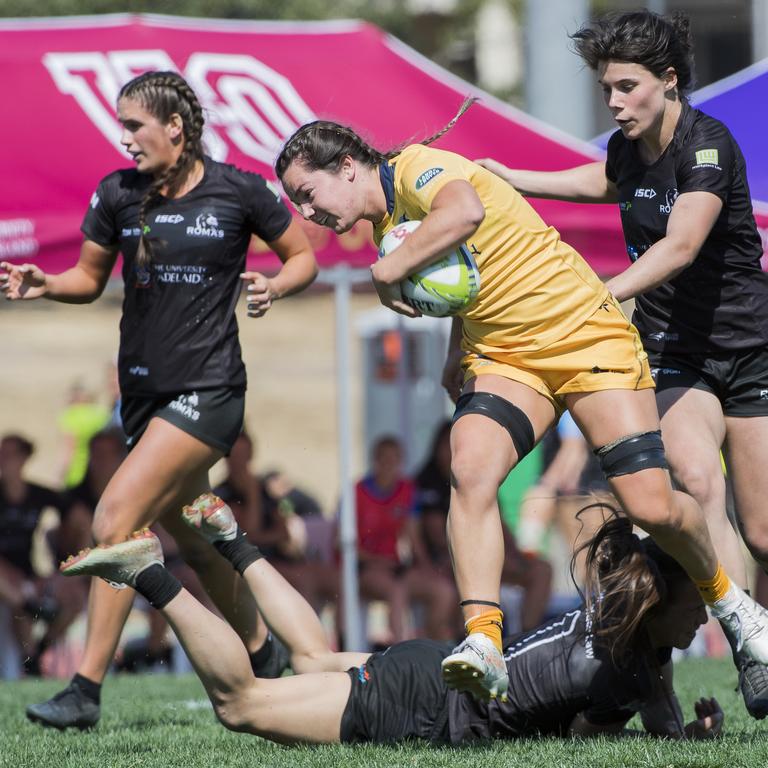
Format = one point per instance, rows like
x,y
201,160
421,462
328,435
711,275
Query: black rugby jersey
x,y
720,301
179,331
555,673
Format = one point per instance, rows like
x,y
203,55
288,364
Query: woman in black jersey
x,y
585,672
701,295
183,223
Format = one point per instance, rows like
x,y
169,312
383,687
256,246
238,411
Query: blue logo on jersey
x,y
427,176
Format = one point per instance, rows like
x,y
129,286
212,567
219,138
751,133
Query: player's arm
x,y
298,271
690,222
81,284
454,215
662,716
583,184
581,726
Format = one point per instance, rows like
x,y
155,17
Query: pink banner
x,y
258,82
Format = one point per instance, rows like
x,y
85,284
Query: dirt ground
x,y
289,355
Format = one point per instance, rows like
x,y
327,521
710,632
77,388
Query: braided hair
x,y
323,145
164,94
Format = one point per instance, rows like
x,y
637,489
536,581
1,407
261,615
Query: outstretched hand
x,y
709,720
261,294
21,281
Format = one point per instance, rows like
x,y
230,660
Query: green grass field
x,y
166,721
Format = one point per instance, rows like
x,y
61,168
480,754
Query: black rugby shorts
x,y
399,694
739,379
213,416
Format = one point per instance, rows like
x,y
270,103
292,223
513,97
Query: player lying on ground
x,y
565,678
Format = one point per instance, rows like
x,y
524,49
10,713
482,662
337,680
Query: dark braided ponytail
x,y
323,145
164,94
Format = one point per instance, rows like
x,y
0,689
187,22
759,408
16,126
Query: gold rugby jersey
x,y
535,289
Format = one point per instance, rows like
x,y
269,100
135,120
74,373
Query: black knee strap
x,y
508,415
631,454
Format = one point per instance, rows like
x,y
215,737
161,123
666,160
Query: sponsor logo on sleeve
x,y
95,200
427,176
707,158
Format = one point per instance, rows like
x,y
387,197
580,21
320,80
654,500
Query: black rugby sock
x,y
89,689
239,551
157,585
261,657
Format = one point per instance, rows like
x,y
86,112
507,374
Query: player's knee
x,y
664,516
756,539
231,710
469,480
110,522
704,482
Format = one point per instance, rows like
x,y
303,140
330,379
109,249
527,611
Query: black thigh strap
x,y
508,415
632,453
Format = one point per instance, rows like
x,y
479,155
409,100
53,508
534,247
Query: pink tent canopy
x,y
258,82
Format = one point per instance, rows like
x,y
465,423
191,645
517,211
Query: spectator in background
x,y
570,481
433,496
30,596
393,563
80,420
276,516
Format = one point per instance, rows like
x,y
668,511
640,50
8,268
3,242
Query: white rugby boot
x,y
118,564
476,666
211,517
744,622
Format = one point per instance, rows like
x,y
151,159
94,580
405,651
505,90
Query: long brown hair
x,y
323,145
627,580
164,94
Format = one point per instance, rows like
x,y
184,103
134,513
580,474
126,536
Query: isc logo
x,y
169,218
649,193
255,110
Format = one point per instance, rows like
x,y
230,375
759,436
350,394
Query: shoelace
x,y
753,615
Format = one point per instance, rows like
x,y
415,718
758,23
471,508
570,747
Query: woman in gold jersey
x,y
543,334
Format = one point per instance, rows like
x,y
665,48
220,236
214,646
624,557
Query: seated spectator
x,y
274,513
30,595
523,569
393,563
570,481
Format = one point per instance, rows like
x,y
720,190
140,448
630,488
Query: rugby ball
x,y
441,289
